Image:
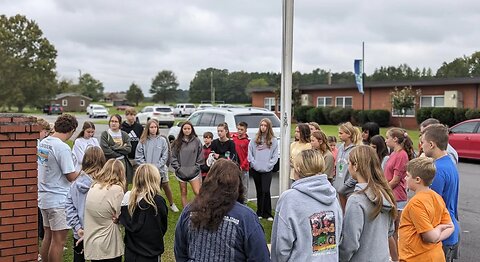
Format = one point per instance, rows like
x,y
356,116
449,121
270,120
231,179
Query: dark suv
x,y
53,109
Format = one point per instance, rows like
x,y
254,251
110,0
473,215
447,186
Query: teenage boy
x,y
425,220
241,146
452,153
134,131
206,150
55,172
445,183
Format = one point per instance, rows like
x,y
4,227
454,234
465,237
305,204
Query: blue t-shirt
x,y
54,162
446,185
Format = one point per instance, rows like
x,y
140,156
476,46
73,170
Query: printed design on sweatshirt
x,y
133,136
42,155
323,233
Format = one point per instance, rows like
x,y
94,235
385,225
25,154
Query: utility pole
x,y
212,89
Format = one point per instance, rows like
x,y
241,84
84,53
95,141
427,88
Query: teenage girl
x,y
395,172
186,160
370,211
262,156
319,142
83,141
343,183
92,163
223,146
332,143
153,148
378,143
302,142
102,236
144,216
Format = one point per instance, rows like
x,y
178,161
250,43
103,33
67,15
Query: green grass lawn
x,y
172,221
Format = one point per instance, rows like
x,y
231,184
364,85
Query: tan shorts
x,y
165,178
55,219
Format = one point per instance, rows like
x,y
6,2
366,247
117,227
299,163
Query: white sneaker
x,y
174,208
270,219
260,217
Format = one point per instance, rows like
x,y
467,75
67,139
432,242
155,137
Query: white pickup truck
x,y
184,109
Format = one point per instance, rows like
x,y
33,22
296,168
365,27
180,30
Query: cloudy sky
x,y
120,42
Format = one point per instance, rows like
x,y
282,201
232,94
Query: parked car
x,y
184,109
465,138
208,119
98,111
203,106
53,109
163,114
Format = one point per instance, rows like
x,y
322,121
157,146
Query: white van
x,y
184,109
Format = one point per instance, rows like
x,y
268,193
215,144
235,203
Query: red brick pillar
x,y
18,187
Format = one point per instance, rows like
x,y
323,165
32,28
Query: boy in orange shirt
x,y
425,221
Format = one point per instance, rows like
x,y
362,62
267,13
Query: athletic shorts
x,y
55,219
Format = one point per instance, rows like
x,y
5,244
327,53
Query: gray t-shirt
x,y
54,162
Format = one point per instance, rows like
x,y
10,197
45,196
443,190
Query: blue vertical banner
x,y
358,69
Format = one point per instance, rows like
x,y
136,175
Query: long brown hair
x,y
268,134
217,196
86,125
304,130
93,161
177,143
403,139
320,136
146,130
368,166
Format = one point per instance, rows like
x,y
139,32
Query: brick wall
x,y
18,187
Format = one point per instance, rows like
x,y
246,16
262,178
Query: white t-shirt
x,y
54,160
81,145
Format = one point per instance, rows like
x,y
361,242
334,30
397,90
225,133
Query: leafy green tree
x,y
164,86
403,100
457,68
27,63
91,87
135,94
234,89
200,86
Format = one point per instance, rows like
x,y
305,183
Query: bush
x,y
316,115
423,114
340,115
472,113
310,115
381,117
459,114
326,114
301,113
360,117
444,115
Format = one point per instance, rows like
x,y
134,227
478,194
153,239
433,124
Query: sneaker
x,y
174,208
260,217
270,219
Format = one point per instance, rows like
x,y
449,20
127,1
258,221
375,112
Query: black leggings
x,y
78,251
262,185
117,259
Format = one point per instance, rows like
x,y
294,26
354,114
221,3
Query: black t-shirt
x,y
221,147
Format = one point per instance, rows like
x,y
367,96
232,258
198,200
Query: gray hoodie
x,y
261,157
75,205
308,222
186,161
343,181
364,239
154,151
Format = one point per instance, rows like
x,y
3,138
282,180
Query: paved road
x,y
469,198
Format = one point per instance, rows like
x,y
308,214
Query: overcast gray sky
x,y
120,42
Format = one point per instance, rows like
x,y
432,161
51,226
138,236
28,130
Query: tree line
x,y
28,74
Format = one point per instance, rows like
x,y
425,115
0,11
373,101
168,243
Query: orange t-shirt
x,y
424,212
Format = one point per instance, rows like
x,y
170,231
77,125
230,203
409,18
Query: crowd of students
x,y
347,202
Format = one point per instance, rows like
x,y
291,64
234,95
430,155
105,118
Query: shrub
x,y
360,117
444,115
340,115
381,117
423,114
301,113
459,114
310,115
316,115
472,113
326,114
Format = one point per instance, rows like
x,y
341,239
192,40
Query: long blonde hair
x,y
146,184
353,131
113,173
269,136
146,130
368,166
308,163
93,161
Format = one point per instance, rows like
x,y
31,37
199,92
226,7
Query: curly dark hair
x,y
65,123
218,194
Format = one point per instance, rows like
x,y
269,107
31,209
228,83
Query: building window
x,y
82,102
64,102
408,113
432,101
343,101
324,101
269,103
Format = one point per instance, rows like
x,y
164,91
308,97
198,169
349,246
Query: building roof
x,y
414,83
62,95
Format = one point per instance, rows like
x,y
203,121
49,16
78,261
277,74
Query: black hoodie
x,y
134,132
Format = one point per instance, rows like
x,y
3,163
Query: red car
x,y
465,138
